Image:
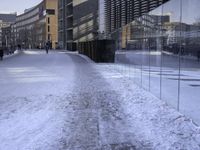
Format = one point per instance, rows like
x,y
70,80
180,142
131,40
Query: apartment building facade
x,y
121,12
78,21
5,21
37,25
65,23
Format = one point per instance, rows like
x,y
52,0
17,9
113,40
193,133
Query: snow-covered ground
x,y
11,55
62,101
163,82
33,86
154,123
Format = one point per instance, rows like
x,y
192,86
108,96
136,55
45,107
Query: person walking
x,y
47,47
1,54
198,56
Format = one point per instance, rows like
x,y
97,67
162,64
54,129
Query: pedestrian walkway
x,y
62,101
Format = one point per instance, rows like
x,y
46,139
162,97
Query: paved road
x,y
57,101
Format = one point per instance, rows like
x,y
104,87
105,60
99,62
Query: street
x,y
62,101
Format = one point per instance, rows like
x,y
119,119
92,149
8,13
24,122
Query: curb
x,y
86,58
81,55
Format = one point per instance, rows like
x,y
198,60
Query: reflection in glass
x,y
163,49
170,53
190,57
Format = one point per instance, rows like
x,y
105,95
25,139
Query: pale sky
x,y
10,6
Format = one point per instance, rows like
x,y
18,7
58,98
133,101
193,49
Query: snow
x,y
152,122
135,64
31,100
31,123
63,101
11,55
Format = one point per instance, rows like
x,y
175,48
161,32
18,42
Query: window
x,y
50,11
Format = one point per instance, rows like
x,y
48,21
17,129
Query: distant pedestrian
x,y
47,47
198,56
1,54
19,47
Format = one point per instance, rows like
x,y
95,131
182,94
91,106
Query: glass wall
x,y
190,59
160,51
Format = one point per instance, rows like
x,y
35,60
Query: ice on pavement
x,y
62,102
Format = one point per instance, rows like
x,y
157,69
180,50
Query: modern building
x,y
6,38
121,12
65,23
78,21
5,21
85,20
144,27
37,25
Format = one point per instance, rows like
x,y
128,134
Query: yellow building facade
x,y
38,25
52,22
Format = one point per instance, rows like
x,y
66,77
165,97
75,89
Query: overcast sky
x,y
10,6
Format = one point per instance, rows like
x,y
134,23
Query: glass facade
x,y
160,51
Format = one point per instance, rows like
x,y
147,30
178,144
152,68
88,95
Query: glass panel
x,y
134,45
145,53
170,54
155,48
190,57
121,57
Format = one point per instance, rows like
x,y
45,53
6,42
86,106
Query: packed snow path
x,y
61,101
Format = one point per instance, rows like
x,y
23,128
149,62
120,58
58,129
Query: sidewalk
x,y
62,101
